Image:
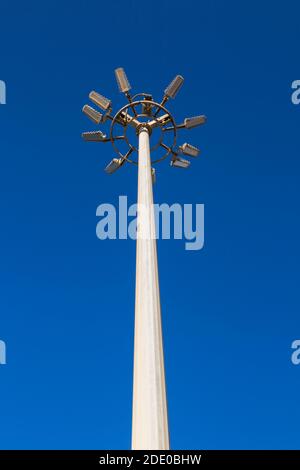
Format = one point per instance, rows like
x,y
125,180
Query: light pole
x,y
145,117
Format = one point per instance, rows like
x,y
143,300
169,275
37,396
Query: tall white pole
x,y
150,418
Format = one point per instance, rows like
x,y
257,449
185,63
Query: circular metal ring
x,y
125,109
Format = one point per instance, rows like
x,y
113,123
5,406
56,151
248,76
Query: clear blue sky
x,y
67,298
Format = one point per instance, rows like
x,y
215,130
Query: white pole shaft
x,y
150,418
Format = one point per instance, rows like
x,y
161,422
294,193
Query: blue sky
x,y
67,298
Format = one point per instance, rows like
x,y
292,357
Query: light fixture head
x,y
190,150
114,165
180,162
100,100
94,115
195,121
172,90
122,80
94,136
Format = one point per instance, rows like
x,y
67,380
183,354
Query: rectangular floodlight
x,y
114,165
172,90
122,80
180,162
190,150
195,121
100,100
94,115
94,136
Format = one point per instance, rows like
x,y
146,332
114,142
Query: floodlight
x,y
114,165
172,90
180,162
190,150
100,100
94,115
195,121
94,136
122,80
124,85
